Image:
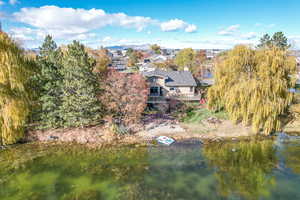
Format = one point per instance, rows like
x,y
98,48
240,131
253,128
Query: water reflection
x,y
73,173
244,168
179,172
291,153
240,170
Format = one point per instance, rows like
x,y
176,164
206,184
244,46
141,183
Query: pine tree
x,y
50,80
15,74
278,40
80,106
253,86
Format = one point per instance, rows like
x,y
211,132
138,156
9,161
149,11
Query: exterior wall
x,y
160,82
183,90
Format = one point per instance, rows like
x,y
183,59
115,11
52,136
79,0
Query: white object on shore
x,y
165,140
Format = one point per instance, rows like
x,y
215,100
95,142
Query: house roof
x,y
174,78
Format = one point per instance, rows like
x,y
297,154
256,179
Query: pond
x,y
268,169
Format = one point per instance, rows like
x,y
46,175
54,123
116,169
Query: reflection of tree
x,y
243,168
178,173
292,157
71,173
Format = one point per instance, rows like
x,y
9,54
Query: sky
x,y
199,24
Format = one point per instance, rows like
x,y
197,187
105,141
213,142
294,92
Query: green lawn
x,y
198,115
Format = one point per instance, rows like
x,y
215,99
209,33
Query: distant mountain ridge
x,y
124,47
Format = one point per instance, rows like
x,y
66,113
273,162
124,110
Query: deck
x,y
162,99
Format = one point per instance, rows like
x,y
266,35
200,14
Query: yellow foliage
x,y
252,86
14,97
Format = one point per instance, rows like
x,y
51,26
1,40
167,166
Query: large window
x,y
154,91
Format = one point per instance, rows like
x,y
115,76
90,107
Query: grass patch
x,y
198,115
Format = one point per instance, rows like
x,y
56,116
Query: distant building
x,y
212,53
147,67
119,63
158,59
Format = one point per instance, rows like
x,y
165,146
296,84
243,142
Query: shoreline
x,y
145,133
102,135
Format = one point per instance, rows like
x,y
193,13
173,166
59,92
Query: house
x,y
119,63
147,67
165,86
158,59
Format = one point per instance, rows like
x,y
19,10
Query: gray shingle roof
x,y
174,78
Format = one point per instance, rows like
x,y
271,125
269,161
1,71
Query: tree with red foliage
x,y
124,96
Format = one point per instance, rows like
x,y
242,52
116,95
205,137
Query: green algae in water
x,y
240,170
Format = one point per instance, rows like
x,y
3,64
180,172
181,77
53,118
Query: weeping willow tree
x,y
14,93
253,87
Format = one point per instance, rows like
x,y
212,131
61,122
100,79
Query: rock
x,y
214,120
51,137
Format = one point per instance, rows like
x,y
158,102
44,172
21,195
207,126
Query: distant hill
x,y
124,47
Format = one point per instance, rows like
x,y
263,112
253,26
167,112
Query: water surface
x,y
238,170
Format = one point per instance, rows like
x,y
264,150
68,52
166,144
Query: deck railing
x,y
164,99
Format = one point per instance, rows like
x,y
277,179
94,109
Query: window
x,y
152,79
172,89
191,89
154,91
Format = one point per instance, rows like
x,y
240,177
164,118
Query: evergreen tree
x,y
50,80
15,95
253,86
80,106
265,41
278,40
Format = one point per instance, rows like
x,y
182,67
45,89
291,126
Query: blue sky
x,y
170,23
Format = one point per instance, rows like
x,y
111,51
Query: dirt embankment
x,y
153,126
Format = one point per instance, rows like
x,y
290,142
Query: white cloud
x,y
106,39
23,34
2,3
191,28
294,40
70,23
172,25
250,35
177,24
231,30
77,21
213,43
13,2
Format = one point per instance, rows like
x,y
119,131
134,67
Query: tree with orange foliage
x,y
124,96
